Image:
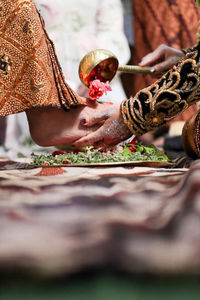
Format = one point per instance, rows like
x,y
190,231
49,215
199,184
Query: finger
x,y
90,139
99,117
146,60
100,145
106,143
156,74
151,58
95,120
156,56
164,66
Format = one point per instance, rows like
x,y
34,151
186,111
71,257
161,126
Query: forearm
x,y
166,98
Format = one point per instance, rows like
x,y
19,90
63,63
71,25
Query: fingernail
x,y
152,70
83,121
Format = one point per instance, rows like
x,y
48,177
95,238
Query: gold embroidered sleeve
x,y
30,74
191,49
166,98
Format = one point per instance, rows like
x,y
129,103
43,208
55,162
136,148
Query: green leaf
x,y
126,151
158,152
149,149
140,148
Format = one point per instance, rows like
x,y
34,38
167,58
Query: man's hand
x,y
162,58
112,131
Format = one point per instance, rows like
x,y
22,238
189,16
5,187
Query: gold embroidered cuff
x,y
128,119
125,116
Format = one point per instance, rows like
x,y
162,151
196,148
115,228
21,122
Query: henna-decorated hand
x,y
111,132
162,58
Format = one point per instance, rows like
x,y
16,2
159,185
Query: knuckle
x,y
162,47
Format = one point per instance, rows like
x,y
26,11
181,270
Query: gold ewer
x,y
106,65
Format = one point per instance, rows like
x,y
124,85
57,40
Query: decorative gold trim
x,y
124,111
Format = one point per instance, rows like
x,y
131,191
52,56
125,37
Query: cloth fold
x,y
30,72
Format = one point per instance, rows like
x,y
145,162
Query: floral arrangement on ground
x,y
131,152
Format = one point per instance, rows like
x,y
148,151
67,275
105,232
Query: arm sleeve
x,y
166,98
30,74
190,49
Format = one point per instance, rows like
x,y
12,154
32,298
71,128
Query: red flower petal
x,y
132,149
57,153
98,88
76,151
134,141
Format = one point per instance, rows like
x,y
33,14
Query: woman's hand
x,y
112,131
162,58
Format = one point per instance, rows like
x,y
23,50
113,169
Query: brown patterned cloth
x,y
30,75
172,22
62,220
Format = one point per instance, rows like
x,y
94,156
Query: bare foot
x,y
52,126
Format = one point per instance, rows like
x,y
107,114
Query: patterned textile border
x,y
61,220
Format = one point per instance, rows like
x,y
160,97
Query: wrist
x,y
125,117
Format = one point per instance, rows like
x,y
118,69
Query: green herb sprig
x,y
142,153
